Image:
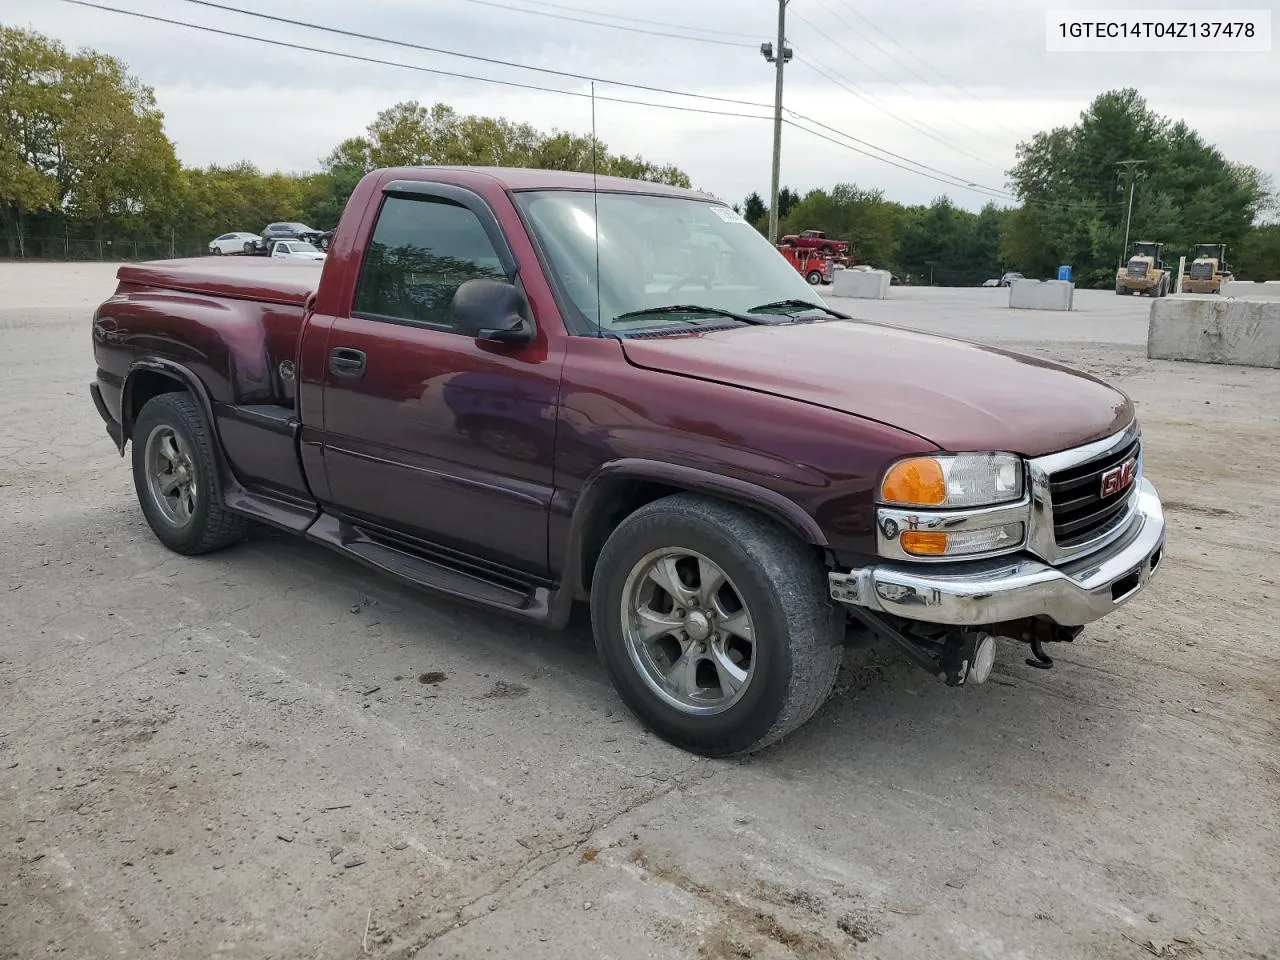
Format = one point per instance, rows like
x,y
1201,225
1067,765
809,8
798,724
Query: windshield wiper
x,y
632,316
803,305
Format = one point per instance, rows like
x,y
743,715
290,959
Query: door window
x,y
421,252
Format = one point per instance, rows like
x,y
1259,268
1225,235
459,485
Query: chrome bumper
x,y
1011,588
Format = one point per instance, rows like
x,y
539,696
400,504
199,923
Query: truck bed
x,y
262,279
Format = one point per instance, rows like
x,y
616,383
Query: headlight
x,y
954,480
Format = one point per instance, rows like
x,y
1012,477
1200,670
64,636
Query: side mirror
x,y
492,310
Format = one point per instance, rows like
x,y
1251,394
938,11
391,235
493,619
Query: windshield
x,y
656,252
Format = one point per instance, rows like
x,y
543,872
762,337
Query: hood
x,y
957,395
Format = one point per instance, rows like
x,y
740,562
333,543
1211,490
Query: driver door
x,y
430,433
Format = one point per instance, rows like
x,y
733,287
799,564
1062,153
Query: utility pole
x,y
1131,180
779,60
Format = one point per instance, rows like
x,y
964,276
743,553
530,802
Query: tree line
x,y
1073,206
86,170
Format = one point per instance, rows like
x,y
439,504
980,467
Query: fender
x,y
769,502
292,516
197,389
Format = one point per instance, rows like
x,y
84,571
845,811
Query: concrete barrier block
x,y
862,284
1242,332
1041,294
1250,290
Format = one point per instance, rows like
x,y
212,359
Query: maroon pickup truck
x,y
815,240
526,388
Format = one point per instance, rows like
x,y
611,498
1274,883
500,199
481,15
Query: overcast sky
x,y
953,85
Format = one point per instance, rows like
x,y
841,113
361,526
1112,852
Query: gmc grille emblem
x,y
1119,478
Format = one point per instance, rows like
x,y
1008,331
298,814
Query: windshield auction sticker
x,y
1203,30
727,214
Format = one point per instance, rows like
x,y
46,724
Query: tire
x,y
773,581
187,525
217,251
814,277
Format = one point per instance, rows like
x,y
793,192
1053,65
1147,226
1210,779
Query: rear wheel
x,y
176,477
714,625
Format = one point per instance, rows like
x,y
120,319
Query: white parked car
x,y
296,250
231,243
991,283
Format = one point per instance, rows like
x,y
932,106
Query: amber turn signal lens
x,y
924,543
918,482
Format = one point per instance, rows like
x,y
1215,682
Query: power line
x,y
408,66
919,126
650,23
555,90
469,56
611,26
976,188
911,69
961,181
838,143
820,68
562,73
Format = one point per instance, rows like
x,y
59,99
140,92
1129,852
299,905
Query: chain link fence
x,y
71,248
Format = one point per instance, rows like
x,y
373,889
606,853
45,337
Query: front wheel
x,y
176,477
714,625
814,277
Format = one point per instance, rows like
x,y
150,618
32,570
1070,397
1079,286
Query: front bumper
x,y
979,592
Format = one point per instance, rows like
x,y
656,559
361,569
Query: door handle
x,y
345,362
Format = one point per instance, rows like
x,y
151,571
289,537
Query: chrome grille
x,y
1070,518
1080,511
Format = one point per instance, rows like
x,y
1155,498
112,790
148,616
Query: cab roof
x,y
521,178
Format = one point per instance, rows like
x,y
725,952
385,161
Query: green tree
x,y
30,112
869,223
787,199
941,245
754,209
83,143
1258,256
409,134
1075,204
116,159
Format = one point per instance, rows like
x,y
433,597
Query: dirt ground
x,y
271,752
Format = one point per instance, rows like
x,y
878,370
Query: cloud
x,y
951,85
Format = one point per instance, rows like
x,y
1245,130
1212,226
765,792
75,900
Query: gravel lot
x,y
238,756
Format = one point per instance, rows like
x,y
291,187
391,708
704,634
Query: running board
x,y
288,515
527,602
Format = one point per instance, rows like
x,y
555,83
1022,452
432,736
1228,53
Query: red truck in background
x,y
813,266
524,388
816,240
